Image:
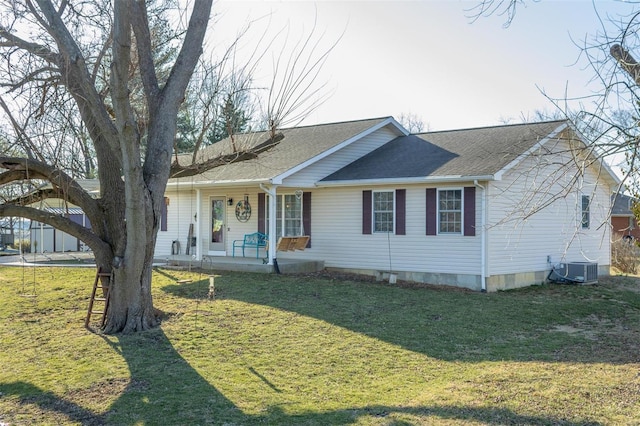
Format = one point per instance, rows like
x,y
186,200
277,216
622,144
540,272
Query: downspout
x,y
483,238
198,229
271,192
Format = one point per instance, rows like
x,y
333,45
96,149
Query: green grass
x,y
312,350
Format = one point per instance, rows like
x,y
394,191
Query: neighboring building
x,y
623,221
486,208
46,239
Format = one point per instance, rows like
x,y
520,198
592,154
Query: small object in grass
x,y
212,288
185,281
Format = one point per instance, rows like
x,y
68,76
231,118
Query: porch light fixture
x,y
230,202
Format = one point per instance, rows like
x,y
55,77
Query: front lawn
x,y
315,350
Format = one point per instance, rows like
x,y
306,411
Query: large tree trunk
x,y
131,305
126,217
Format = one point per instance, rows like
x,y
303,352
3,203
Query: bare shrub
x,y
624,255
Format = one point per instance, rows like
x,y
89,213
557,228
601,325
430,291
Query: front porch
x,y
244,264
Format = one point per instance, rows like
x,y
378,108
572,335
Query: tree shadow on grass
x,y
523,325
48,402
164,388
60,411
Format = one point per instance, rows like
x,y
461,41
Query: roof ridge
x,y
497,126
362,120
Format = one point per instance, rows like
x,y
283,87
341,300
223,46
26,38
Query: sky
x,y
429,58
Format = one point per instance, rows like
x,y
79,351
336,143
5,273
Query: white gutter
x,y
405,181
271,191
483,237
209,183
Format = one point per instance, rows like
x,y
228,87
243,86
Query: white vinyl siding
x,y
532,217
181,209
339,242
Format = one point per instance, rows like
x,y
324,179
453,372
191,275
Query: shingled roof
x,y
621,205
456,153
299,145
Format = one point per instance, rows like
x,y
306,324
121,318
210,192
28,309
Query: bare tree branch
x,y
193,169
59,222
22,168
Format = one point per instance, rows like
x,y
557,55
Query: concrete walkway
x,y
75,259
222,263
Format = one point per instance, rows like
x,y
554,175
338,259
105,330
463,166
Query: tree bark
x,y
125,218
626,61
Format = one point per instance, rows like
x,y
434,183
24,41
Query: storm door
x,y
218,225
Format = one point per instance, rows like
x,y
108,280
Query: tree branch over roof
x,y
34,197
178,170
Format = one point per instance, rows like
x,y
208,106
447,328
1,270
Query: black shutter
x,y
431,211
401,209
261,212
306,215
470,211
366,212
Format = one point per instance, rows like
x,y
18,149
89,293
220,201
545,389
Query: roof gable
x,y
478,152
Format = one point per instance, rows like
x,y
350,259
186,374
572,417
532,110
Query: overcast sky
x,y
429,59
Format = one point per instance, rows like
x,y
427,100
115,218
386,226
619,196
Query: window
x,y
450,211
586,202
288,216
383,211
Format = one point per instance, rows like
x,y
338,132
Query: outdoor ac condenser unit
x,y
575,272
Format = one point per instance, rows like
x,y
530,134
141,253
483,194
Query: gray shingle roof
x,y
621,205
299,145
468,152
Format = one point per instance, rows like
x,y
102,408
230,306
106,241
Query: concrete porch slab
x,y
245,264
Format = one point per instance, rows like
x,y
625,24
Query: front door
x,y
218,225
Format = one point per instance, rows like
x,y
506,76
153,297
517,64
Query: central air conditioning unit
x,y
575,273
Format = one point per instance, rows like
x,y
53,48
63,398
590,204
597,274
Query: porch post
x,y
271,192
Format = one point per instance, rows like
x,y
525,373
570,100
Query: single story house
x,y
623,221
485,208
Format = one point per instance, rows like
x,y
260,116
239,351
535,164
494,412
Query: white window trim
x,y
282,219
461,189
373,211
